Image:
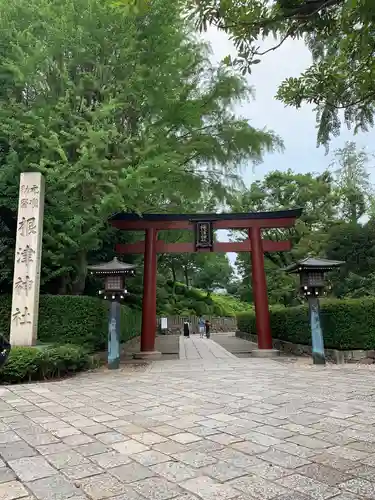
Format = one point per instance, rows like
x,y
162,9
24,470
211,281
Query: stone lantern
x,y
114,274
313,285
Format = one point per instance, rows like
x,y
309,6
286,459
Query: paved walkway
x,y
225,428
233,344
194,347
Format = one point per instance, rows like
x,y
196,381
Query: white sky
x,y
296,127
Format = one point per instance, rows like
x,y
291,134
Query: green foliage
x,y
317,196
25,364
205,270
183,300
354,190
355,286
119,111
333,203
354,244
214,271
346,324
76,320
339,35
230,305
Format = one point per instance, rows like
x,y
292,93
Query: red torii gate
x,y
204,225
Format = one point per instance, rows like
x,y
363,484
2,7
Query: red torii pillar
x,y
260,295
148,332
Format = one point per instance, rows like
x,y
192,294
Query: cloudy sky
x,y
296,127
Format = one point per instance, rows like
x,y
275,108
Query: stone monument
x,y
27,262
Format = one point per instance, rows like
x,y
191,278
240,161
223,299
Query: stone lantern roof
x,y
114,266
313,264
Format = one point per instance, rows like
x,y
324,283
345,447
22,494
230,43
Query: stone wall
x,y
335,355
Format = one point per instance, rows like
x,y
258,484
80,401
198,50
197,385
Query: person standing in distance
x,y
207,327
186,328
201,327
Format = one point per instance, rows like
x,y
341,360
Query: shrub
x,y
178,299
25,364
347,324
201,308
73,319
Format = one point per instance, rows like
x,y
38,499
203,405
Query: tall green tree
x,y
354,244
318,196
119,111
212,271
339,83
352,179
314,193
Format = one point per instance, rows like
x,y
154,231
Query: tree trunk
x,y
78,285
173,273
186,274
63,288
174,281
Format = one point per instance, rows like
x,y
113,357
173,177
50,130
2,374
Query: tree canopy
x,y
339,82
337,223
119,111
120,107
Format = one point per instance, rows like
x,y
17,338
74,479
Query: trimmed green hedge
x,y
26,364
347,324
74,319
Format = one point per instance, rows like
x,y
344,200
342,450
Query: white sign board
x,y
164,323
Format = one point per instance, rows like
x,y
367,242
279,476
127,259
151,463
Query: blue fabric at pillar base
x,y
316,332
114,336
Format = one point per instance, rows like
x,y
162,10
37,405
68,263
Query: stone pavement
x,y
235,345
166,344
219,429
195,347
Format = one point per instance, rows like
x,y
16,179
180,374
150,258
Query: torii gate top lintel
x,y
244,220
204,224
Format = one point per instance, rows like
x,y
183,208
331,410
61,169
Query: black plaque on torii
x,y
203,234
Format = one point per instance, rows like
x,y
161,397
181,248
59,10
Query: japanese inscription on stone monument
x,y
26,279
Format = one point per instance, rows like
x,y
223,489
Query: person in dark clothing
x,y
186,329
4,350
207,328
